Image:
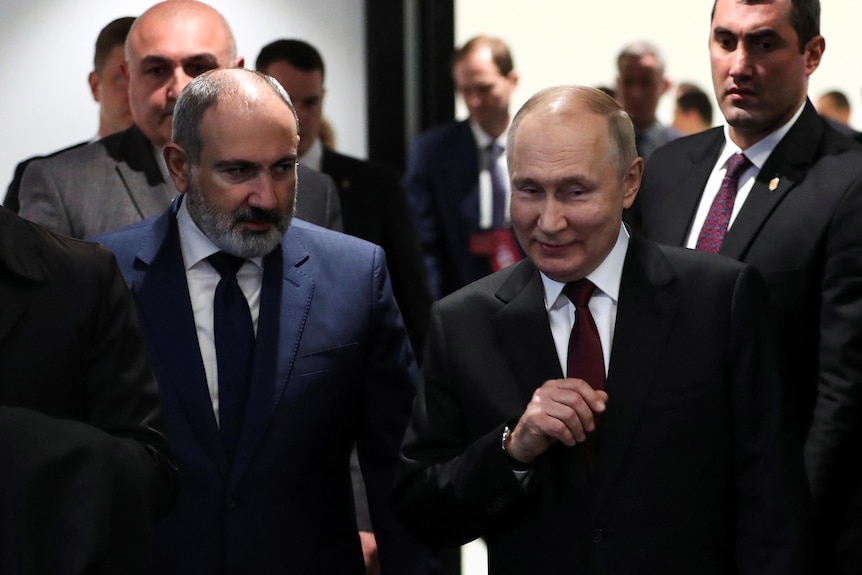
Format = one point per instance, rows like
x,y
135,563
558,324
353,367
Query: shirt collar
x,y
313,157
759,152
606,277
195,244
483,140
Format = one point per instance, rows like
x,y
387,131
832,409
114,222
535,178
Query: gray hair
x,y
621,133
640,49
206,91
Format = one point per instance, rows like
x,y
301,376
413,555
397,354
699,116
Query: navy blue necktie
x,y
498,185
234,344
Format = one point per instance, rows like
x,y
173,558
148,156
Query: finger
x,y
596,399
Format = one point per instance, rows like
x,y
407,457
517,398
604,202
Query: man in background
x,y
373,203
693,112
122,179
641,83
109,88
455,179
778,188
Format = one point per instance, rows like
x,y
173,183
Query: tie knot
x,y
494,150
226,264
579,292
736,165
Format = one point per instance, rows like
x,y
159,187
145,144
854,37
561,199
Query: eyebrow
x,y
566,181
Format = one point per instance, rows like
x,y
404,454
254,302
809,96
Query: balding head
x,y
169,45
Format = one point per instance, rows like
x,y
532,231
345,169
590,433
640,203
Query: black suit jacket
x,y
805,237
696,472
374,208
83,472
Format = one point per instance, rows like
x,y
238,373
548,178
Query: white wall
x,y
46,52
576,42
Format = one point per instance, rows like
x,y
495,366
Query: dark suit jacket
x,y
83,472
804,237
374,208
695,471
442,183
333,368
116,181
11,200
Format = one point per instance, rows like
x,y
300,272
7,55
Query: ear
x,y
240,62
632,182
93,80
124,69
665,85
179,166
513,78
814,53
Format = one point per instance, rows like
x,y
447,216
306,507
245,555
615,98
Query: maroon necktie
x,y
715,226
585,360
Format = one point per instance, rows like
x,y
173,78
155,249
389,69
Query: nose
x,y
263,195
740,62
179,80
552,218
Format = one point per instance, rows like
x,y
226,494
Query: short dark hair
x,y
297,53
838,98
804,17
112,35
696,99
500,53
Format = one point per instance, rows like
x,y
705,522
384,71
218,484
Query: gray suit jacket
x,y
117,181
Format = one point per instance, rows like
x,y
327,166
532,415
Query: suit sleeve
x,y
835,438
771,511
40,200
389,390
451,489
334,220
101,481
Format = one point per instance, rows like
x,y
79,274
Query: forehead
x,y
294,79
751,16
646,64
251,127
180,37
561,139
475,64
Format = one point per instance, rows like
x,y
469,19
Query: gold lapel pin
x,y
773,184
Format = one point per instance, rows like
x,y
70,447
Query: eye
x,y
193,70
156,70
284,169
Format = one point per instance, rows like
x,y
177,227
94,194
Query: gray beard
x,y
221,228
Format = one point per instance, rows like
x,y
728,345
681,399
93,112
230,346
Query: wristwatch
x,y
507,433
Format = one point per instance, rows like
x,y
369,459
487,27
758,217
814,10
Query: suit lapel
x,y
786,165
523,318
141,175
285,301
683,197
163,296
646,313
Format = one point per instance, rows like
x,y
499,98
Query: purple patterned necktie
x,y
715,226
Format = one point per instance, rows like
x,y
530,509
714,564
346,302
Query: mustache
x,y
252,214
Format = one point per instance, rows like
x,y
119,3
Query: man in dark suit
x,y
122,179
455,180
640,430
796,217
83,471
373,203
265,453
641,82
109,89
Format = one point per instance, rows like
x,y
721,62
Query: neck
x,y
496,127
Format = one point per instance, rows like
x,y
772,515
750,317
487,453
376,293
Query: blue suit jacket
x,y
442,183
333,368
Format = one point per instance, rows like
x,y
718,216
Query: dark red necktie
x,y
715,226
585,360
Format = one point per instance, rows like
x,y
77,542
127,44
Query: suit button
x,y
598,535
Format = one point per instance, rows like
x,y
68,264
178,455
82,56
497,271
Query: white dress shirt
x,y
202,280
603,305
756,154
486,193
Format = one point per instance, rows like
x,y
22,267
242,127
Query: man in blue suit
x,y
456,182
264,452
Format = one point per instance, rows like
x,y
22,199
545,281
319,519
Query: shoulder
x,y
446,133
340,165
40,252
335,246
